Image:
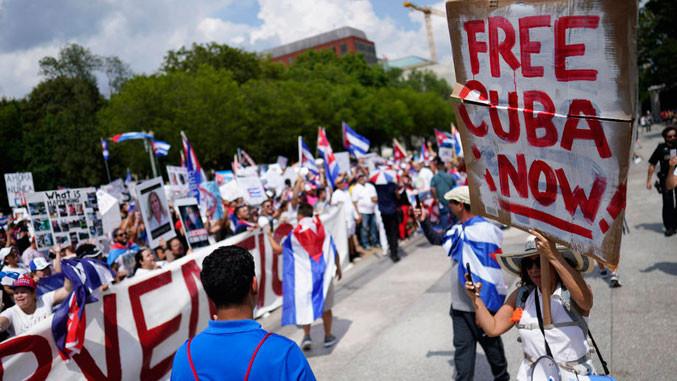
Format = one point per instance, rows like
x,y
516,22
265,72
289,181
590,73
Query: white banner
x,y
136,326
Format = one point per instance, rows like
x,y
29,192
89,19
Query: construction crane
x,y
427,11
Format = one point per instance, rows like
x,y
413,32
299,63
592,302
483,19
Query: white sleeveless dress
x,y
566,339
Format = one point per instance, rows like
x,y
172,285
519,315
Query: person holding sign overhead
x,y
549,309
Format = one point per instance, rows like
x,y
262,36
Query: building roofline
x,y
320,39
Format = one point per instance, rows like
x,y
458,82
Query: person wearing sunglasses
x,y
121,245
663,153
565,340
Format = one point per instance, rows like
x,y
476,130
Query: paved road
x,y
393,322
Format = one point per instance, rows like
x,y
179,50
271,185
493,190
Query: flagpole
x,y
105,162
151,154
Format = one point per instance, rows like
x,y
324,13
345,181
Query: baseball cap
x,y
87,250
24,281
3,253
38,264
460,194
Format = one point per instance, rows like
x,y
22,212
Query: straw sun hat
x,y
511,262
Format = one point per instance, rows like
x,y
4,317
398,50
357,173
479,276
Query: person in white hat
x,y
565,340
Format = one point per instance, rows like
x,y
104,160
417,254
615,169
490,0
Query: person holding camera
x,y
663,153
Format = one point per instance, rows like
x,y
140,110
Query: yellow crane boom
x,y
427,11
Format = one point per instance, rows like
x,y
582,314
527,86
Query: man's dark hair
x,y
227,275
305,210
667,129
438,161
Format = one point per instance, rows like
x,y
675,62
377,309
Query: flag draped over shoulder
x,y
477,241
308,259
70,321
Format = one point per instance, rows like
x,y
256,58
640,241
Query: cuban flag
x,y
104,149
444,139
477,242
306,158
193,166
355,143
160,148
399,153
119,138
308,263
456,140
331,167
424,153
70,320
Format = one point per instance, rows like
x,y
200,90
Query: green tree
x,y
657,47
74,61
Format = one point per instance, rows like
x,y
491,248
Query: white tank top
x,y
568,343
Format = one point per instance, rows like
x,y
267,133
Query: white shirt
x,y
343,198
362,195
425,175
21,322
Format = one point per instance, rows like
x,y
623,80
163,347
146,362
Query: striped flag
x,y
444,139
308,261
160,148
70,321
104,149
119,138
306,159
193,166
399,153
456,140
477,242
331,167
355,143
424,153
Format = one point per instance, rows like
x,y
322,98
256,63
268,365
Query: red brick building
x,y
342,41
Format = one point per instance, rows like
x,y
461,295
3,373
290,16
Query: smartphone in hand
x,y
468,275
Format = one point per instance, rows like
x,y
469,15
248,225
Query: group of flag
x,y
160,148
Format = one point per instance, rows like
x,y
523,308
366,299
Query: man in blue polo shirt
x,y
234,346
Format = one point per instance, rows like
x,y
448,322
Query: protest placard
x,y
65,217
196,233
155,211
177,175
343,161
252,188
210,200
18,186
545,102
109,207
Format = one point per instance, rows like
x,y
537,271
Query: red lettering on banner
x,y
191,273
469,87
474,46
517,175
262,275
545,217
152,337
577,199
543,119
595,131
84,359
37,345
548,196
564,50
504,47
528,47
617,202
513,132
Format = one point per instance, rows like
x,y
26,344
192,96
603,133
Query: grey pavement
x,y
393,324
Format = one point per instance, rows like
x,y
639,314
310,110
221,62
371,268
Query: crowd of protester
x,y
364,196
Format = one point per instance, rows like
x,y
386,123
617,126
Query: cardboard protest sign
x,y
343,161
254,194
18,186
196,233
210,200
65,217
110,211
546,97
155,211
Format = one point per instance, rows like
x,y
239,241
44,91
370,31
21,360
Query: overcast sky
x,y
140,32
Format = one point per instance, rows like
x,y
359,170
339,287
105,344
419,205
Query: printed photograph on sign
x,y
196,233
155,211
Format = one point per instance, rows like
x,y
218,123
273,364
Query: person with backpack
x,y
555,333
234,346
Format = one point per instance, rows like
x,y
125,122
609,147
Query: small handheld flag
x,y
330,165
355,143
160,148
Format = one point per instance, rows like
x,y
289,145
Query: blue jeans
x,y
368,231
